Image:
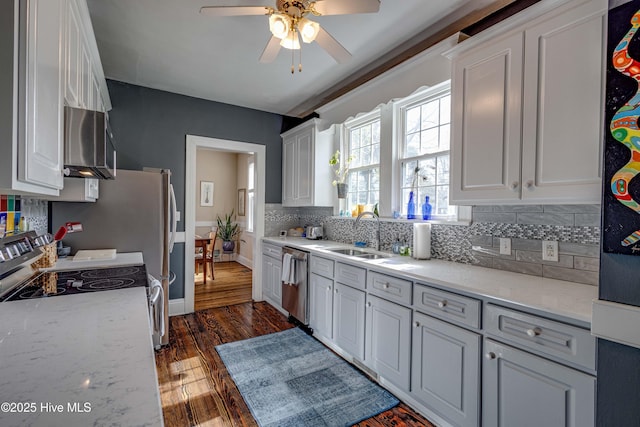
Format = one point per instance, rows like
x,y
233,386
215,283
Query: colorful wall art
x,y
621,199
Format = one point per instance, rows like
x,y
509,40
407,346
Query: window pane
x,y
427,172
443,170
445,109
413,120
407,172
363,180
365,155
365,136
412,145
355,139
430,112
375,132
442,203
445,137
375,180
429,141
375,154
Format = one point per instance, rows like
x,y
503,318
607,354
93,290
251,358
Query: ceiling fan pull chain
x,y
293,70
300,63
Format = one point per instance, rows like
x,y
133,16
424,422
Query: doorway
x,y
192,202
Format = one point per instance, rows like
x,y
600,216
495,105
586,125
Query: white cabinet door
x,y
304,177
445,374
86,80
321,305
388,340
73,55
271,275
40,156
519,389
563,104
486,106
289,172
348,319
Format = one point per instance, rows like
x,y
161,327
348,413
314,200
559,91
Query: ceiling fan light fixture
x,y
308,30
291,41
280,25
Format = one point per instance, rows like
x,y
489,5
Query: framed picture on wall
x,y
206,193
242,195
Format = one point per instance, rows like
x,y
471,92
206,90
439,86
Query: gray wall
x,y
150,128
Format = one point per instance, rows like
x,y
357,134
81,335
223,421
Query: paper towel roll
x,y
422,240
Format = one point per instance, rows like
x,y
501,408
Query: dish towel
x,y
289,269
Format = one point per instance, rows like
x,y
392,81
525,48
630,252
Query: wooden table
x,y
202,242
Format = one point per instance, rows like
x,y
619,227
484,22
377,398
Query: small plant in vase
x,y
228,229
341,171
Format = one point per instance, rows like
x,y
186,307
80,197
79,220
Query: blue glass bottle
x,y
411,207
426,209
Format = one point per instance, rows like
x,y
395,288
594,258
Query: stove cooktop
x,y
80,281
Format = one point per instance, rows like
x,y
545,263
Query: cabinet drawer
x,y
390,288
350,275
322,266
272,250
447,305
543,336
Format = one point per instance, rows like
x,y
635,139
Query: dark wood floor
x,y
195,387
232,285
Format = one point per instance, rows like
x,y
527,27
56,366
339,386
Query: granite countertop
x,y
564,300
79,360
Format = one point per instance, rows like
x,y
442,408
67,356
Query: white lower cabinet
x,y
271,279
445,373
520,389
388,340
348,319
321,305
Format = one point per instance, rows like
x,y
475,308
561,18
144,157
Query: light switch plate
x,y
550,250
505,246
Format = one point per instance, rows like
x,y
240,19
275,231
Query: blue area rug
x,y
290,379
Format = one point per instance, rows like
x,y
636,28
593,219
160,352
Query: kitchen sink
x,y
349,251
358,253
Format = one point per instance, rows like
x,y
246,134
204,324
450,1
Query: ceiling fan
x,y
288,23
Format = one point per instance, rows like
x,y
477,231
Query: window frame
x,y
360,121
250,195
420,97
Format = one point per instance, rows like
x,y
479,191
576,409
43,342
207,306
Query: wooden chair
x,y
206,255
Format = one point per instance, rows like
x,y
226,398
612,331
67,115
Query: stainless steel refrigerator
x,y
136,212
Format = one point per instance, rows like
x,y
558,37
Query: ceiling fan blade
x,y
332,46
234,10
271,50
341,7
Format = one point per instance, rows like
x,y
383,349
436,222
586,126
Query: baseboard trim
x,y
176,307
245,261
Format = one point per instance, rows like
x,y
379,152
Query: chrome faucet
x,y
355,227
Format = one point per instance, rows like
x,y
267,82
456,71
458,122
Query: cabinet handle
x,y
329,288
490,356
336,290
442,304
514,185
368,304
534,332
529,185
416,324
385,285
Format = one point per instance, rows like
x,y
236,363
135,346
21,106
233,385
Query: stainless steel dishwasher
x,y
295,284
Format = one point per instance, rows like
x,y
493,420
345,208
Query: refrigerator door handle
x,y
174,217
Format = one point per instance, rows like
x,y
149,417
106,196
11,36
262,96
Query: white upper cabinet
x,y
31,121
306,173
527,108
85,85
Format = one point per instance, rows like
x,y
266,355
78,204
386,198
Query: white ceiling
x,y
169,45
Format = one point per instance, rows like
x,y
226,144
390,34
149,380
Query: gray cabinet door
x,y
321,305
348,319
520,389
388,340
445,373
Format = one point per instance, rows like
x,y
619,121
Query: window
x,y
363,142
250,193
424,133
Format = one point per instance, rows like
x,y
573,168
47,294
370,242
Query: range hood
x,y
88,145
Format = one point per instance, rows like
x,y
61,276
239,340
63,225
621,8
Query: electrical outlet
x,y
550,250
505,246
